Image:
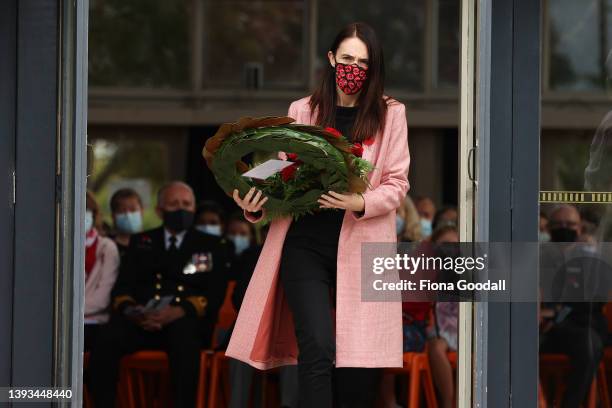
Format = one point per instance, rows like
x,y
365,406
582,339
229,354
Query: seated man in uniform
x,y
170,288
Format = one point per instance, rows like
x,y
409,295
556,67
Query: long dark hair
x,y
372,109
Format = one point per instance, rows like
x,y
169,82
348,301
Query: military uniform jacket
x,y
195,275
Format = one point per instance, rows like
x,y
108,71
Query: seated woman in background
x,y
408,223
415,315
443,336
101,268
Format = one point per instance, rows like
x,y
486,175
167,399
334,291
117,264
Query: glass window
x,y
139,43
448,44
134,158
579,38
401,29
255,44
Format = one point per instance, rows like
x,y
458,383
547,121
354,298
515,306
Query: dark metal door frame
x,y
8,79
508,123
43,106
35,219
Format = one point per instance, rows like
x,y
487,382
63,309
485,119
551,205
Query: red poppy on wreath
x,y
357,149
369,141
335,132
288,172
292,156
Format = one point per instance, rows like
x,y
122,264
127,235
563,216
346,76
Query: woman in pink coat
x,y
303,304
101,269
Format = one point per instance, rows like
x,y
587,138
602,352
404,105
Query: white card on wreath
x,y
267,168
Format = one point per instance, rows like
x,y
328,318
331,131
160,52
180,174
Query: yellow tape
x,y
576,197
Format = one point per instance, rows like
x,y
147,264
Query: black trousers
x,y
182,340
584,346
308,276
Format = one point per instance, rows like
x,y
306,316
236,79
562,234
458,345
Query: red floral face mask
x,y
350,78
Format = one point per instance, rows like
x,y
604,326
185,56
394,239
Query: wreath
x,y
323,160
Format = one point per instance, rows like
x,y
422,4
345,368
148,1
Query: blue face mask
x,y
88,220
129,222
426,227
241,242
399,224
210,229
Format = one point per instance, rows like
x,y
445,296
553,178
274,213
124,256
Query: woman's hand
x,y
250,203
347,201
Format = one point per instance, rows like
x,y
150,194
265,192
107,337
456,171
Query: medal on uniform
x,y
203,261
189,269
200,262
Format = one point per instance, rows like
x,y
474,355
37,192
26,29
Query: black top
x,y
324,225
122,250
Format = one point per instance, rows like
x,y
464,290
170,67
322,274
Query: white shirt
x,y
179,238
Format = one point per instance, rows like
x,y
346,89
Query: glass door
x,y
575,222
466,191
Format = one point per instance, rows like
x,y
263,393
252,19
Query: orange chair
x,y
541,398
147,379
219,386
608,351
147,371
227,317
555,366
452,357
416,366
203,379
227,314
607,364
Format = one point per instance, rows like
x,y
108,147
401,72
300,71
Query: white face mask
x,y
210,229
89,220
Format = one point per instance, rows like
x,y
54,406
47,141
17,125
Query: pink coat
x,y
368,334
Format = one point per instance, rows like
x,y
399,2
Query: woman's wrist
x,y
362,210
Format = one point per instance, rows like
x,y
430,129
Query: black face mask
x,y
178,220
563,234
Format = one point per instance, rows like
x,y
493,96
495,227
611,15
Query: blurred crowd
x,y
573,326
163,289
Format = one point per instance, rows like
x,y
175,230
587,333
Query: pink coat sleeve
x,y
394,186
252,217
249,216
